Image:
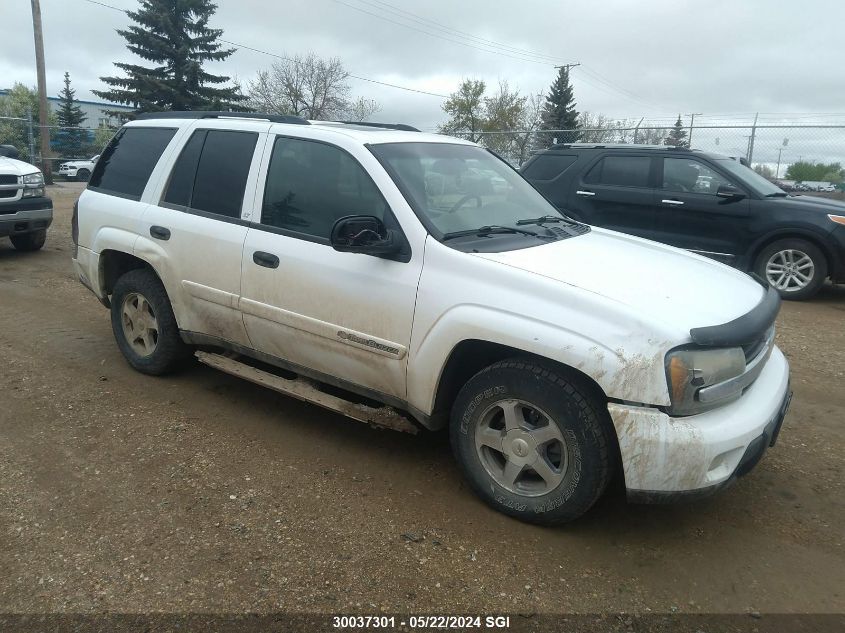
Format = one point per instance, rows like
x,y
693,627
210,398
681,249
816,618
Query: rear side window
x,y
622,171
548,166
211,172
126,164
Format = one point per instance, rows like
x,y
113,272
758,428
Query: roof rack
x,y
388,126
210,114
619,146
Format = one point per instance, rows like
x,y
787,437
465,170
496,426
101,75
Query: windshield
x,y
462,187
760,185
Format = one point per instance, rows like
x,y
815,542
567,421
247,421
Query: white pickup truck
x,y
25,211
403,287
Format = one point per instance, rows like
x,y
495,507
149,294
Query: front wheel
x,y
83,175
795,268
532,443
29,241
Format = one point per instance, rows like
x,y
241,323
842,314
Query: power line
x,y
290,59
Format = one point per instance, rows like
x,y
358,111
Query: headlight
x,y
688,371
33,185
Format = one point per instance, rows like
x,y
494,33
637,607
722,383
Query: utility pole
x,y
46,167
692,116
567,66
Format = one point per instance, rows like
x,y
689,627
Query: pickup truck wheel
x,y
144,325
794,267
29,241
83,175
531,443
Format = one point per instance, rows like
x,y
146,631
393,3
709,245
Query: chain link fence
x,y
771,149
66,143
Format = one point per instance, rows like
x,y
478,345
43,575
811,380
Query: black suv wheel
x,y
795,267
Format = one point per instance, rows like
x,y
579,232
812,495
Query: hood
x,y
809,203
16,167
659,282
77,163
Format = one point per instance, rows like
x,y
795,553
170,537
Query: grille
x,y
8,193
8,179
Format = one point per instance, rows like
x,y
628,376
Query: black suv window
x,y
311,185
622,171
126,164
211,172
690,175
548,166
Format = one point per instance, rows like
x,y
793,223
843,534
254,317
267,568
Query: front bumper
x,y
665,457
25,216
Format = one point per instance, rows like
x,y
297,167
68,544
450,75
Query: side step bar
x,y
382,417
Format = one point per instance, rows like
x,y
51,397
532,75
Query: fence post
x,y
750,156
637,129
30,135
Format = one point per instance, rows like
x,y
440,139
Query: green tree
x,y
70,138
175,35
559,111
678,135
504,112
19,103
466,110
806,170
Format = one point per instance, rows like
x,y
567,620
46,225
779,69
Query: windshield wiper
x,y
777,194
542,219
483,231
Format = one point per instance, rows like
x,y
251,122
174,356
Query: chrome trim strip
x,y
692,250
734,386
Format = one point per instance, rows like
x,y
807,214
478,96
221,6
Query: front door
x,y
692,216
344,315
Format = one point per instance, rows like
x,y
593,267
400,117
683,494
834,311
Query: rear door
x,y
690,215
194,233
616,192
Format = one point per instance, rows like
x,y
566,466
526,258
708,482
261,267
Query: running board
x,y
303,389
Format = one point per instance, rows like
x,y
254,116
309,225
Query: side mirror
x,y
364,234
729,192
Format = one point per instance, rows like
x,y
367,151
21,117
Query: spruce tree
x,y
678,135
174,35
559,111
70,138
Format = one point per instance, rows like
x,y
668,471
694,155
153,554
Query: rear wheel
x,y
29,241
796,268
532,443
144,325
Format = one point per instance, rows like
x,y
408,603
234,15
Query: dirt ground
x,y
199,492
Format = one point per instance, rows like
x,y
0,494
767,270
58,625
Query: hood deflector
x,y
743,330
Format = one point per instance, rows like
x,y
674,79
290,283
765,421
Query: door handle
x,y
676,203
581,192
268,260
160,233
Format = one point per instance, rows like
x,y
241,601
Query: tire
x,y
83,175
795,267
536,403
29,241
144,325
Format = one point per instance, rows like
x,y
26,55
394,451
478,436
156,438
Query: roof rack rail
x,y
210,114
388,126
619,146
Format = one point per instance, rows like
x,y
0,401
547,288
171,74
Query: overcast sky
x,y
653,58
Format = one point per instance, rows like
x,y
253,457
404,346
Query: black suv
x,y
706,203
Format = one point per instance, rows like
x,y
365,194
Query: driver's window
x,y
687,175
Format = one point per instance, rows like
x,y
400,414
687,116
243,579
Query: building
x,y
95,111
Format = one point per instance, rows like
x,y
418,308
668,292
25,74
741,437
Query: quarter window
x,y
311,185
126,164
211,172
691,176
621,171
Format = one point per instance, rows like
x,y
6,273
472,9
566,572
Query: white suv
x,y
557,354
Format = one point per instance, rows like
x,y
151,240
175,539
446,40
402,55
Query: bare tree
x,y
532,121
361,109
596,128
503,112
651,135
310,87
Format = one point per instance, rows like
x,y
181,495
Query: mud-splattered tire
x,y
532,443
29,241
144,325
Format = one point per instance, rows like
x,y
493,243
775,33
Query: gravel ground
x,y
202,493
